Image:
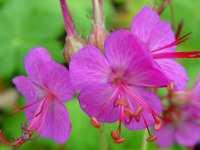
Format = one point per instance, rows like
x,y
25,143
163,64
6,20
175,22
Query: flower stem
x,y
103,141
144,143
98,11
68,22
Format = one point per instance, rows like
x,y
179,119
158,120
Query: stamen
x,y
194,54
26,135
137,113
162,6
179,29
18,109
119,141
115,135
95,122
151,137
158,123
120,102
176,42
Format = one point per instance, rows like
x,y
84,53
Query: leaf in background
x,y
25,24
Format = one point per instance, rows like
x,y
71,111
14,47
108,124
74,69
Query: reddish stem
x,y
68,22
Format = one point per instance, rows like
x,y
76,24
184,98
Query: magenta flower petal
x,y
43,71
88,66
165,136
175,72
58,81
196,89
30,93
98,101
150,103
188,134
36,64
26,87
148,27
126,54
51,121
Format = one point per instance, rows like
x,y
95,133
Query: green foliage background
x,y
29,23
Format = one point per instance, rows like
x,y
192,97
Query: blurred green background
x,y
30,23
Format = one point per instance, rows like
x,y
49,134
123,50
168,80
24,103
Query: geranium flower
x,y
181,120
160,40
113,85
45,89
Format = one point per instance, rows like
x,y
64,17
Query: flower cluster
x,y
115,77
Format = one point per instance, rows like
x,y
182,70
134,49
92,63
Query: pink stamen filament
x,y
151,137
68,22
26,106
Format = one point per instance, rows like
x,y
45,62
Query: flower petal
x,y
148,27
165,136
188,134
58,81
26,88
149,102
51,121
126,54
98,101
36,64
88,66
174,71
29,91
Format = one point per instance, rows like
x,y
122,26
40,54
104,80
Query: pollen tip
x,y
158,123
115,135
95,123
119,140
137,113
151,138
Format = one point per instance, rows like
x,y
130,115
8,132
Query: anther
x,y
95,122
119,141
151,138
137,113
120,102
115,135
158,123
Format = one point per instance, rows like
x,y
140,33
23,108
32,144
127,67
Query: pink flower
x,y
181,120
158,36
45,89
113,85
